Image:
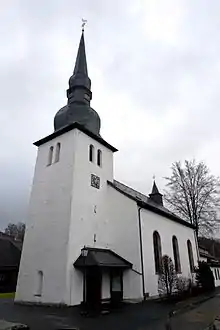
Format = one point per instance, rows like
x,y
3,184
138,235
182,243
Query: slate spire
x,y
155,195
81,64
79,96
80,74
154,189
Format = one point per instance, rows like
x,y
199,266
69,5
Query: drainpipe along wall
x,y
197,246
141,251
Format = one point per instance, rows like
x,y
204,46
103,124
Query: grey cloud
x,y
170,90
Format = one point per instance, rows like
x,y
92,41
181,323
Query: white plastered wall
x,y
88,208
166,228
47,229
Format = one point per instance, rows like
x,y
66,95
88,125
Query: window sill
x,y
37,295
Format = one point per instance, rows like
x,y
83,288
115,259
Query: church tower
x,y
72,168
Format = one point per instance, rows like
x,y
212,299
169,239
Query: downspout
x,y
197,252
197,246
141,251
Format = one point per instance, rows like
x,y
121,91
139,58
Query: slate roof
x,y
10,252
145,202
101,258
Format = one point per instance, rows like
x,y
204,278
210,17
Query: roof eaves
x,y
164,213
68,128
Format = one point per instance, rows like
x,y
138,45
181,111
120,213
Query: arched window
x,y
91,153
176,254
50,156
57,155
39,283
190,253
157,252
99,157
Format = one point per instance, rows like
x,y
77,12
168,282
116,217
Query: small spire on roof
x,y
155,195
155,189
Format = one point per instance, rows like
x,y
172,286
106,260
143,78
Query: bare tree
x,y
167,279
193,194
16,230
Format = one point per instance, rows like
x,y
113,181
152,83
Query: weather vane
x,y
84,21
154,177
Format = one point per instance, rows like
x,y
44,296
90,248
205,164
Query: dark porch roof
x,y
101,258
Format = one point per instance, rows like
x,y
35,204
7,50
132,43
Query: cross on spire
x,y
84,21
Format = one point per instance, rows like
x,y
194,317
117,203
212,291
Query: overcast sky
x,y
155,71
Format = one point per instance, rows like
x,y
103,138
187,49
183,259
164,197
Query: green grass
x,y
7,295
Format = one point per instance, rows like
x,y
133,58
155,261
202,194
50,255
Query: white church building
x,y
89,237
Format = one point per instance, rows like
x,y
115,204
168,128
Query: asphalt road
x,y
148,316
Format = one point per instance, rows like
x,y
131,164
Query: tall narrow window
x,y
157,252
216,277
218,274
57,155
190,253
91,153
39,283
176,255
99,157
50,156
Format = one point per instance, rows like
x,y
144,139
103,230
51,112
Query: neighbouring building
x,y
9,262
212,261
89,237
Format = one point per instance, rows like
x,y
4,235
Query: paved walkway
x,y
198,318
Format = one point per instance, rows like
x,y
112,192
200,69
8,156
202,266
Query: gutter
x,y
141,251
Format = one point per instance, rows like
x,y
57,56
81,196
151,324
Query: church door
x,y
116,287
93,288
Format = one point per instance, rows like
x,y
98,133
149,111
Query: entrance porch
x,y
102,277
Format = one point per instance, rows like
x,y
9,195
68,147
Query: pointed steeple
x,y
79,96
155,195
81,64
80,73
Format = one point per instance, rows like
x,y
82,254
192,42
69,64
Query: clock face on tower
x,y
95,181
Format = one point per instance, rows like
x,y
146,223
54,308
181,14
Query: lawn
x,y
7,295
